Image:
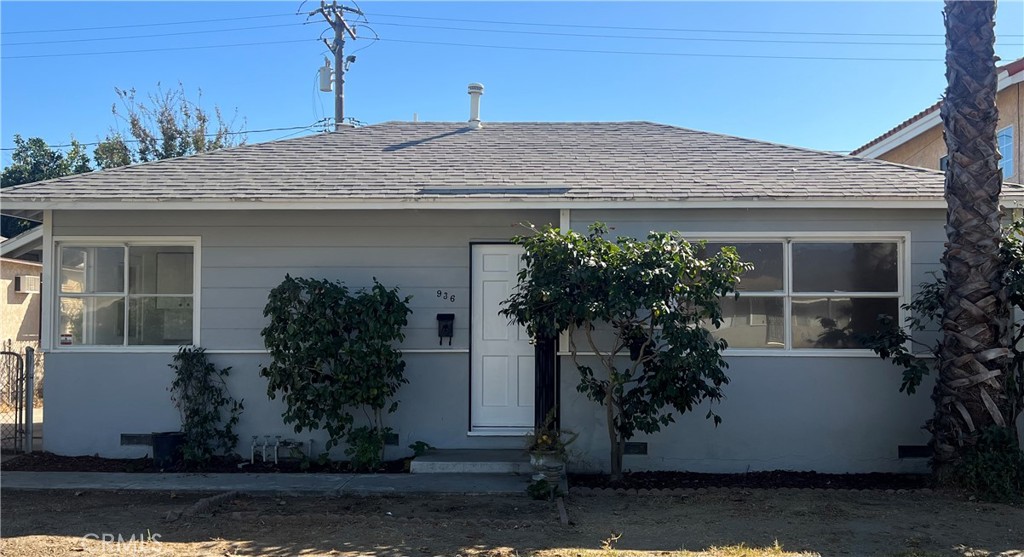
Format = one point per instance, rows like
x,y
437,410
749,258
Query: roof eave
x,y
845,202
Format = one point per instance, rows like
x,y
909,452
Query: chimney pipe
x,y
475,90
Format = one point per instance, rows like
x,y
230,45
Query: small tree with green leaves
x,y
332,353
656,297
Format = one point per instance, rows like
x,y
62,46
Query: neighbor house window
x,y
125,294
811,294
1005,139
943,162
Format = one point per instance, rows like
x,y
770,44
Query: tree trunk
x,y
613,437
970,391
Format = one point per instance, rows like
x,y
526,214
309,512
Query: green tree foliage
x,y
654,298
208,413
332,354
166,125
33,160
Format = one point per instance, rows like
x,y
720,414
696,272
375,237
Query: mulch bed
x,y
49,462
767,480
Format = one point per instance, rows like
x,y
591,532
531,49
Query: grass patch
x,y
739,550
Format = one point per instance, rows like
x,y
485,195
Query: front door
x,y
501,380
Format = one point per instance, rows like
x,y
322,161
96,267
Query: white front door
x,y
501,380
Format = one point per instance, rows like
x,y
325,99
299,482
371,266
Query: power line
x,y
500,47
500,22
149,36
668,29
645,37
678,54
503,31
66,30
66,54
240,132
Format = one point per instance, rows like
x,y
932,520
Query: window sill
x,y
112,350
802,353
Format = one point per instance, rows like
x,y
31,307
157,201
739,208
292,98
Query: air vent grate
x,y
635,448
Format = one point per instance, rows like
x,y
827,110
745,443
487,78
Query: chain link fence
x,y
16,400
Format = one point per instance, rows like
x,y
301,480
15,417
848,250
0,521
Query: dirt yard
x,y
736,522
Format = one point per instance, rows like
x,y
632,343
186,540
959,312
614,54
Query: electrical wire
x,y
470,29
240,132
501,47
66,30
371,42
643,37
179,33
669,29
676,54
502,22
167,49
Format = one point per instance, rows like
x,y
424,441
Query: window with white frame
x,y
811,294
1004,138
125,294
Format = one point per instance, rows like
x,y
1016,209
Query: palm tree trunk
x,y
970,392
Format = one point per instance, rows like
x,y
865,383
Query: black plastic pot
x,y
167,448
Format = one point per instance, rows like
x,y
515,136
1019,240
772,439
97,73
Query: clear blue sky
x,y
822,104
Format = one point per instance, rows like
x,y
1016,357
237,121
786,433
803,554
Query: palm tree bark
x,y
970,393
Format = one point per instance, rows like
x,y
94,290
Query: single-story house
x,y
141,259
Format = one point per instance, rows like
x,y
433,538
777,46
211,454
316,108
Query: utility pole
x,y
335,16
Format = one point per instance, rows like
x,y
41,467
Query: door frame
x,y
539,420
469,368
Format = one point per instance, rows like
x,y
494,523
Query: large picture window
x,y
125,294
811,294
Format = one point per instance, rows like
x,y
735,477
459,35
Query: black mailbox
x,y
445,327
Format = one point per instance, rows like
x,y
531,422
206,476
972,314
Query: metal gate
x,y
16,390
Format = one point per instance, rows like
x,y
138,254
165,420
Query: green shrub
x,y
994,468
199,392
332,354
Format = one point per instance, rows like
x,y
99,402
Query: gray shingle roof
x,y
427,160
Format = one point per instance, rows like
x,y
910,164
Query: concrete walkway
x,y
272,484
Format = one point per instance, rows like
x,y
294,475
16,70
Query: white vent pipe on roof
x,y
475,90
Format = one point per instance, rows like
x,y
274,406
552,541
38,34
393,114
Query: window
x,y
125,294
943,162
1004,138
811,294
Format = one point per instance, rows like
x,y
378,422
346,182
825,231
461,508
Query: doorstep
x,y
472,461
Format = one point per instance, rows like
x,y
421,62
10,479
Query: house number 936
x,y
446,296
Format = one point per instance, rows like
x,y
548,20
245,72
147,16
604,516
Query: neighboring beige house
x,y
19,306
20,301
918,141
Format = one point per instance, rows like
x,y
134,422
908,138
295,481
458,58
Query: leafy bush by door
x,y
333,356
658,297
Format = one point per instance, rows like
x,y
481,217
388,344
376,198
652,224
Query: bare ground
x,y
735,521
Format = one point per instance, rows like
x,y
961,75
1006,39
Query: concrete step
x,y
473,461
